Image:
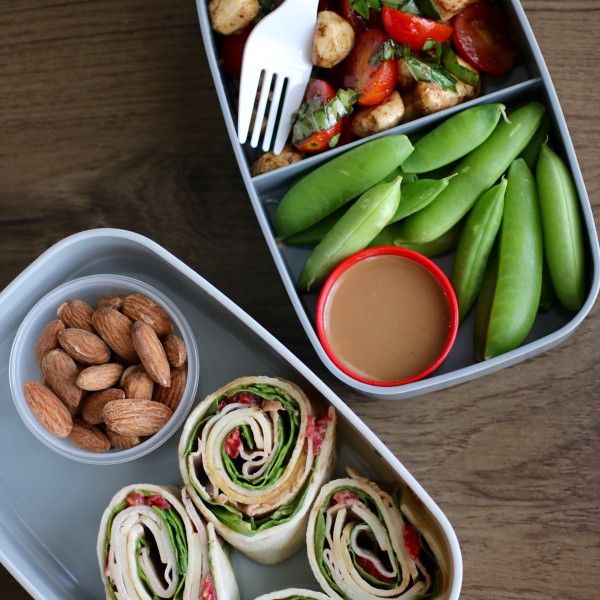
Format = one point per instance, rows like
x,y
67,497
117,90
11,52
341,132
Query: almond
x,y
76,313
139,384
84,346
48,409
115,302
125,375
93,405
48,340
60,373
136,416
172,395
151,353
87,437
140,308
122,442
99,377
175,350
115,329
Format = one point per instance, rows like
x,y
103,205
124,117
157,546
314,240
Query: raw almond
x,y
115,329
175,350
136,416
48,409
151,353
48,340
172,395
93,405
122,442
87,437
139,384
140,308
76,313
60,373
84,346
99,377
115,302
125,375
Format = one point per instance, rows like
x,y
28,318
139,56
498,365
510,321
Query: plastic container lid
x,y
23,367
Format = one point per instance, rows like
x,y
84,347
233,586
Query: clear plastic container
x,y
23,367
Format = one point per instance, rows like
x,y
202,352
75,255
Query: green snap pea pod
x,y
338,181
547,296
563,236
352,233
445,243
477,172
440,173
475,245
314,234
520,256
454,138
484,304
532,151
417,195
398,172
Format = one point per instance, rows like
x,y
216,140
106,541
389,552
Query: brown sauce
x,y
387,318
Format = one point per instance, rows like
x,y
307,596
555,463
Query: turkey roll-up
x,y
253,457
294,594
363,545
149,548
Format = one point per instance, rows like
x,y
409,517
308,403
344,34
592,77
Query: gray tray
x,y
529,80
50,506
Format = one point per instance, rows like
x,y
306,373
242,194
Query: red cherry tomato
x,y
232,51
319,87
413,30
372,85
483,37
319,141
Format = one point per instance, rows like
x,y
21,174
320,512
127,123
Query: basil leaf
x,y
429,9
388,50
432,74
375,5
266,6
407,6
452,65
314,117
332,143
361,7
434,45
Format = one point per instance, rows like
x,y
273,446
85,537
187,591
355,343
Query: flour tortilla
x,y
293,593
275,544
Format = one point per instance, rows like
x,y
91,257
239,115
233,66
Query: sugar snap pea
x,y
441,172
520,259
454,138
547,296
398,172
532,150
314,234
445,243
475,245
477,172
417,195
563,236
484,304
338,181
352,233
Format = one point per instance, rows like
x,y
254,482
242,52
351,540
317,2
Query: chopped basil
x,y
407,6
332,143
435,46
313,116
430,73
388,50
361,7
266,6
429,9
452,65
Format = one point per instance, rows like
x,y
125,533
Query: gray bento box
x,y
529,80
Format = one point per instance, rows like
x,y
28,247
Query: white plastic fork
x,y
279,46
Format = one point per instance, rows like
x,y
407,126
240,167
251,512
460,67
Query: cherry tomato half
x,y
319,87
372,85
413,30
358,23
232,51
483,37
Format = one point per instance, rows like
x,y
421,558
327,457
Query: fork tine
x,y
293,98
279,79
248,87
260,111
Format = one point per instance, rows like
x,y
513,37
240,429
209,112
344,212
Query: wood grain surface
x,y
108,118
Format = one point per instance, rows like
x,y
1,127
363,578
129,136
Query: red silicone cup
x,y
370,253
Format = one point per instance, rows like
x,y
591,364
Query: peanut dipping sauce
x,y
387,318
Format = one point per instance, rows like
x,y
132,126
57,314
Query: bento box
x,y
529,80
51,506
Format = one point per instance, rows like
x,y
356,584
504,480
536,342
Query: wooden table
x,y
108,118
